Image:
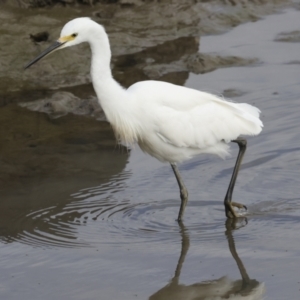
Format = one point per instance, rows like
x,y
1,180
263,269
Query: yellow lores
x,y
67,38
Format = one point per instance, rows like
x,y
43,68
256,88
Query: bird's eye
x,y
74,35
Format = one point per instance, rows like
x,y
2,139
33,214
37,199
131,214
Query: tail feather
x,y
250,109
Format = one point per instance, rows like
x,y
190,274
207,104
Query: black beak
x,y
49,50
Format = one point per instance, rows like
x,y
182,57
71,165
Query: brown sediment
x,y
135,29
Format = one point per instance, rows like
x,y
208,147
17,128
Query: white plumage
x,y
178,123
170,122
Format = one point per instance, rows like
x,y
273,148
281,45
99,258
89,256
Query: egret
x,y
171,123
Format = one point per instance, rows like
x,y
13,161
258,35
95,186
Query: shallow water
x,y
111,233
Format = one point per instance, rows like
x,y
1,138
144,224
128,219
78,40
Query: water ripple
x,y
100,215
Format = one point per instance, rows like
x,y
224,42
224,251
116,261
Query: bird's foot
x,y
230,212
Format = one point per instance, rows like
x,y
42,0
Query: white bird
x,y
170,122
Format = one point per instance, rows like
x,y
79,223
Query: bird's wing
x,y
200,127
189,118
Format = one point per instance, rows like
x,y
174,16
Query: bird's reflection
x,y
222,288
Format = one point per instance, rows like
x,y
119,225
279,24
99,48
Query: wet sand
x,y
98,222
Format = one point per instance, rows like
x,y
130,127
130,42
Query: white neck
x,y
112,97
110,93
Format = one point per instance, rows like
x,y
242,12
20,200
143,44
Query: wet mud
x,y
132,30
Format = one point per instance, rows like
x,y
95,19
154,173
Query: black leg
x,y
229,210
183,191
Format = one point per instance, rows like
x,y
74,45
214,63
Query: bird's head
x,y
73,33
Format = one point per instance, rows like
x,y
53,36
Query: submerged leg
x,y
229,210
183,191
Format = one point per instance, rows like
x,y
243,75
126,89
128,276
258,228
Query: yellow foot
x,y
230,212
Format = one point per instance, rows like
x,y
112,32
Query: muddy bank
x,y
289,37
133,29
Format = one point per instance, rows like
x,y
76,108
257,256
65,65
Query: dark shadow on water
x,y
54,223
222,288
36,203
